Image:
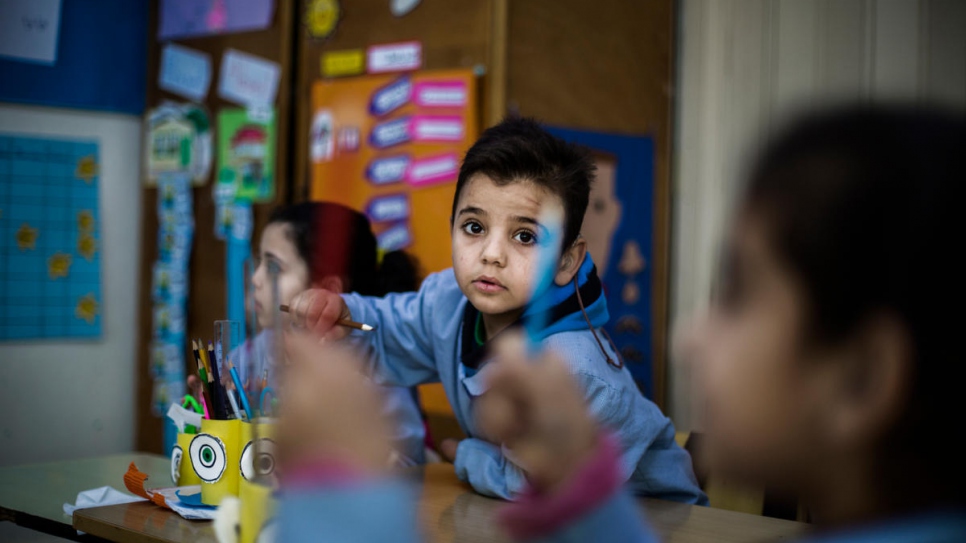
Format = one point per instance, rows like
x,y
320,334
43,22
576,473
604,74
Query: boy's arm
x,y
646,437
401,346
484,466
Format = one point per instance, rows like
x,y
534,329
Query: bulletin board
x,y
92,71
50,280
206,280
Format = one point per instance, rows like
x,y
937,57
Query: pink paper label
x,y
436,128
433,170
440,94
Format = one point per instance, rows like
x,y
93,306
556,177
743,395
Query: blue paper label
x,y
383,171
391,97
395,238
394,207
390,133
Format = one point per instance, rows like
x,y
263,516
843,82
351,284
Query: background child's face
x,y
495,232
293,276
763,393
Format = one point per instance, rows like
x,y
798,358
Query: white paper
x,y
247,79
28,29
97,497
395,57
185,72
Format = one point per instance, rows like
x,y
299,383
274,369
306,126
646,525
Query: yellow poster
x,y
390,146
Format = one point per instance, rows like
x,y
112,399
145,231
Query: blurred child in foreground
x,y
830,359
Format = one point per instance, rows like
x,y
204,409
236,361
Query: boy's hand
x,y
537,410
319,311
330,410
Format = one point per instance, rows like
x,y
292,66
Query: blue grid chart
x,y
50,280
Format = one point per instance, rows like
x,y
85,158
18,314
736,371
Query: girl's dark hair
x,y
865,206
335,240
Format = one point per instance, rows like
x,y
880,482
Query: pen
x,y
234,403
237,381
342,322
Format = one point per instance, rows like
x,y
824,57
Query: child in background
x,y
327,245
830,361
512,176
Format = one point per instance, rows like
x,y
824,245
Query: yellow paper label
x,y
337,63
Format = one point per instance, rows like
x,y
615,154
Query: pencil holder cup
x,y
215,456
182,473
257,512
257,457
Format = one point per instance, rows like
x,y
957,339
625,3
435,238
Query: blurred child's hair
x,y
333,239
520,149
864,207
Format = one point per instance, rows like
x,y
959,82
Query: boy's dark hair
x,y
518,148
864,207
333,239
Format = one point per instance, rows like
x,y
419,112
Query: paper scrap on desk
x,y
96,497
165,497
185,72
247,79
28,30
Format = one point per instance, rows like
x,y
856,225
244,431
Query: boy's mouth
x,y
488,285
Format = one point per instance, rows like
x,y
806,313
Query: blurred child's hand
x,y
329,409
536,409
320,310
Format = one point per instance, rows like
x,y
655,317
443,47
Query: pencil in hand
x,y
342,322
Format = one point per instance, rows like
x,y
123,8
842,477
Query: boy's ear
x,y
873,383
332,283
570,262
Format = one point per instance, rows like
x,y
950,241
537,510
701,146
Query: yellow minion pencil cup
x,y
258,482
182,474
215,457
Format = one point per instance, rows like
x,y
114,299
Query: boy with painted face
x,y
513,175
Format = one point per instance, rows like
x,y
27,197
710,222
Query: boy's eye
x,y
473,228
525,237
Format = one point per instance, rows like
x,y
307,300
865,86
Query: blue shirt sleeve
x,y
484,466
653,462
373,511
617,520
401,346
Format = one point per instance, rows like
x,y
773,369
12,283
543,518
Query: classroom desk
x,y
451,512
34,495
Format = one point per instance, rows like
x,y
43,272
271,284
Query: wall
x,y
62,400
744,67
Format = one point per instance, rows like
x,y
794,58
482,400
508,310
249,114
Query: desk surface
x,y
34,495
451,512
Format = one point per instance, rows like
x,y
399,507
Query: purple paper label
x,y
390,133
383,171
394,207
391,97
395,238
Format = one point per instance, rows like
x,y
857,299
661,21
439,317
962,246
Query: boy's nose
x,y
493,253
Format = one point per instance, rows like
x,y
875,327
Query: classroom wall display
x,y
246,155
177,140
90,70
194,18
169,290
390,146
619,227
50,265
